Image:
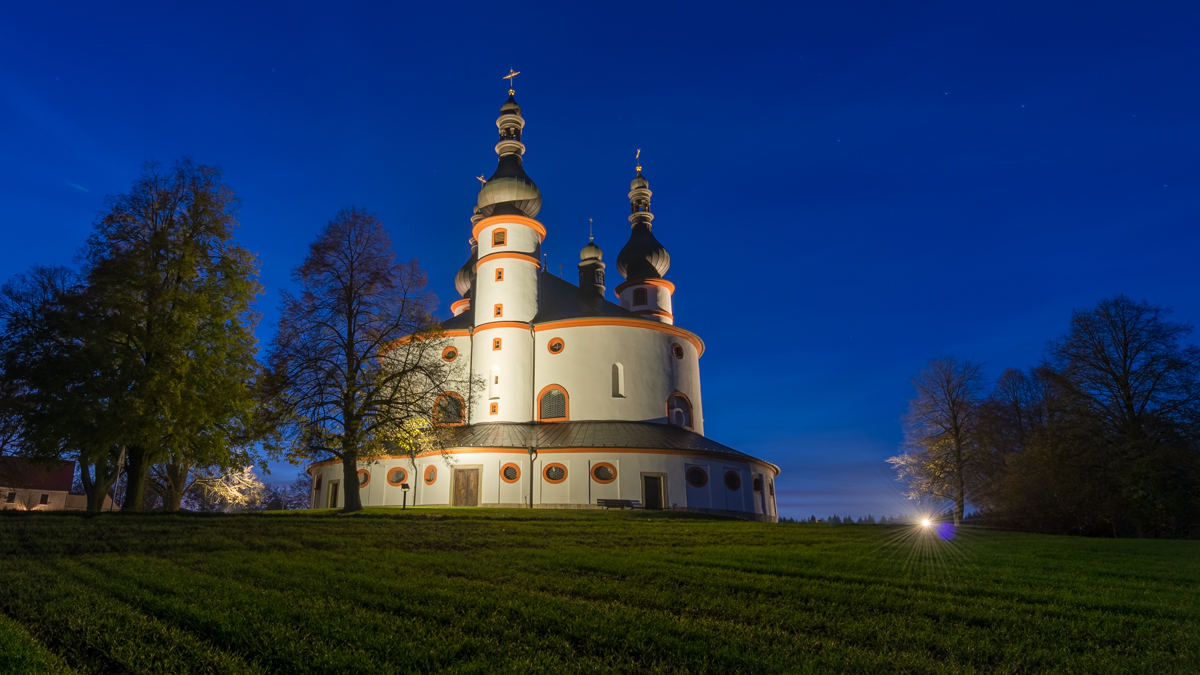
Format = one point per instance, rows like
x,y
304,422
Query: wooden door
x,y
333,494
466,487
653,492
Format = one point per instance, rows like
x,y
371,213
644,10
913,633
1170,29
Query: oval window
x,y
364,477
677,350
397,476
449,353
430,475
757,484
556,346
603,472
510,473
697,477
733,481
555,473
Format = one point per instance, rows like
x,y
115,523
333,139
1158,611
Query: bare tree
x,y
356,367
943,453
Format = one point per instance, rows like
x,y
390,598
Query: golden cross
x,y
637,158
590,237
481,179
511,74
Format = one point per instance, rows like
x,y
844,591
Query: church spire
x,y
510,191
643,257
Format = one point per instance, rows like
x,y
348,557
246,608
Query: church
x,y
585,403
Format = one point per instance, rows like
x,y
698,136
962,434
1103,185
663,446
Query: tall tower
x,y
591,269
644,261
505,297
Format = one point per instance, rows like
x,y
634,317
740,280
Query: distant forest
x,y
1102,438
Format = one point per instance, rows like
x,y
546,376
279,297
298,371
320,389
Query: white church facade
x,y
584,400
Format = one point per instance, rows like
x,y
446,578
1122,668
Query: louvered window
x,y
450,410
554,405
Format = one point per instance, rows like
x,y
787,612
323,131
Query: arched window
x,y
639,297
449,410
499,236
679,411
552,403
618,381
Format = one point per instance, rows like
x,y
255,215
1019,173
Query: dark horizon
x,y
845,191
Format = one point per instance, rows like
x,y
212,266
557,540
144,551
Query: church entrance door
x,y
466,487
652,491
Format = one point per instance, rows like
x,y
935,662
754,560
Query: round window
x,y
449,353
697,477
555,473
397,476
733,481
430,475
510,473
604,472
556,346
757,483
364,477
677,350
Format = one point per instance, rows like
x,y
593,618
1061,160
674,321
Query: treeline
x,y
141,362
1100,439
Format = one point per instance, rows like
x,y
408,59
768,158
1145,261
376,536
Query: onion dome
x,y
464,281
509,191
643,256
591,270
591,251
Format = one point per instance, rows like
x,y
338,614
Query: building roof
x,y
18,472
560,299
595,434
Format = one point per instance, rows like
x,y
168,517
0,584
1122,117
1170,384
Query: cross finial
x,y
481,179
590,237
511,74
638,158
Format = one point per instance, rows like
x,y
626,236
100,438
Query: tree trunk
x,y
135,485
175,477
959,484
97,488
351,500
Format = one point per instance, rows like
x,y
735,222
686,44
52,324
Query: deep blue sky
x,y
846,189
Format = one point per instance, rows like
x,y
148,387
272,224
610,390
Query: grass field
x,y
567,591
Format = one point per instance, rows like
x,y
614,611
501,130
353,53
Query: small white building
x,y
34,486
584,399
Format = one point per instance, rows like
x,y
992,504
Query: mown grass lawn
x,y
564,591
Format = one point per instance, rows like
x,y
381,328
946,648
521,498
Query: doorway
x,y
333,494
466,487
652,492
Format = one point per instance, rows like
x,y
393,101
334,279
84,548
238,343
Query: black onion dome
x,y
510,185
639,183
465,279
510,107
591,252
643,257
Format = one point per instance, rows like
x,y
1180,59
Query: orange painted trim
x,y
508,220
754,461
392,472
496,344
503,231
465,304
562,346
361,483
646,282
437,403
436,336
633,323
507,254
546,389
653,312
501,324
446,351
430,475
610,468
690,410
498,310
499,274
493,408
677,351
513,465
551,465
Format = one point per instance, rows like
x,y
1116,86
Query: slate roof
x,y
557,299
17,472
595,434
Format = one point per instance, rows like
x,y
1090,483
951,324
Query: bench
x,y
618,503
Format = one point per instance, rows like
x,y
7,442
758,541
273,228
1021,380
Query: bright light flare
x,y
926,523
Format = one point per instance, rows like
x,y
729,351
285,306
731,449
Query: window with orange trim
x,y
495,344
696,477
499,237
510,473
397,477
499,310
677,350
499,274
553,404
733,481
364,478
554,473
494,408
449,410
679,411
639,297
556,346
430,475
449,353
604,473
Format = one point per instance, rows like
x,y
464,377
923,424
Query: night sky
x,y
846,189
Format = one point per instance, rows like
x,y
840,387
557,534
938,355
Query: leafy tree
x,y
356,367
944,456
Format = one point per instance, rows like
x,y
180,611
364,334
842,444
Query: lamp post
x,y
532,459
404,491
